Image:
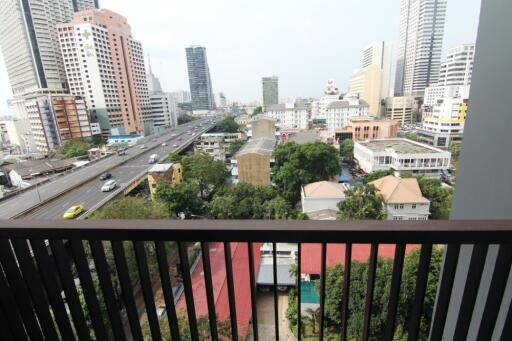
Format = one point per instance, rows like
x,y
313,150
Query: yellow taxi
x,y
74,211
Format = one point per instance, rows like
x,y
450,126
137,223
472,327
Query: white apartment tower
x,y
105,65
420,44
379,53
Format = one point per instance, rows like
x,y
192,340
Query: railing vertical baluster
x,y
445,291
84,273
496,289
189,295
126,288
147,290
322,288
63,263
48,274
212,317
506,333
103,272
253,291
35,287
419,292
476,266
11,318
394,294
276,303
163,267
299,313
372,268
231,290
346,290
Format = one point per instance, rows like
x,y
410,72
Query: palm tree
x,y
312,317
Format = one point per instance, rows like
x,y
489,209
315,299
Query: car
x,y
180,139
153,158
109,185
143,146
74,211
121,152
164,144
105,176
175,145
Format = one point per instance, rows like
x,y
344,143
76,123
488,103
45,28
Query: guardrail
x,y
32,306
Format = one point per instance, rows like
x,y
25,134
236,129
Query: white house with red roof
x,y
322,196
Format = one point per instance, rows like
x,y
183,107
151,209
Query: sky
x,y
305,43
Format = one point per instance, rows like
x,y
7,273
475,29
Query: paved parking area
x,y
266,328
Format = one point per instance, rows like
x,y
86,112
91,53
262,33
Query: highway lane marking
x,y
65,204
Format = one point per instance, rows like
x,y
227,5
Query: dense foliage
x,y
227,125
76,147
235,147
132,208
347,149
181,199
299,164
369,177
185,118
246,201
361,202
412,136
257,110
205,171
358,282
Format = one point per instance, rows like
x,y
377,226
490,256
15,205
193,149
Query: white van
x,y
153,158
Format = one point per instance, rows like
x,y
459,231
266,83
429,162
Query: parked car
x,y
74,211
164,144
109,185
175,145
121,152
105,176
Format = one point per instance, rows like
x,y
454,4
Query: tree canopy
x,y
185,118
361,202
76,147
299,164
227,125
369,177
132,208
257,110
246,201
347,149
235,146
205,171
180,199
413,136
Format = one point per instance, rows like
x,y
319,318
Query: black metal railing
x,y
57,280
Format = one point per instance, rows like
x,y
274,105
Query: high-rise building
x,y
419,50
379,53
105,65
199,78
367,84
181,96
458,67
400,109
30,45
222,102
270,87
454,76
163,105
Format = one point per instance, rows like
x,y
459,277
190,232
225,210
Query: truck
x,y
153,158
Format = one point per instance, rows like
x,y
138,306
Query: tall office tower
x,y
199,78
458,67
419,52
454,76
270,86
222,102
105,65
30,45
367,84
379,53
181,96
163,105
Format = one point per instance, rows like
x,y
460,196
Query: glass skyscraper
x,y
199,78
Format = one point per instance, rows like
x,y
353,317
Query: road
x,y
124,169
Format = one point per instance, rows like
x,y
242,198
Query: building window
x,y
413,206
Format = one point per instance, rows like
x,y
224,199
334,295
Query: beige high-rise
x,y
367,83
106,66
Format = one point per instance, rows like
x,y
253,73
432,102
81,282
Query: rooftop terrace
x,y
400,146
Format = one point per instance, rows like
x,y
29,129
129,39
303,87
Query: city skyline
x,y
245,50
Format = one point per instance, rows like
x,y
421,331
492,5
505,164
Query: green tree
x,y
180,199
412,136
369,177
361,202
440,197
299,164
132,208
205,171
235,147
227,125
174,157
185,118
333,294
347,149
257,110
76,147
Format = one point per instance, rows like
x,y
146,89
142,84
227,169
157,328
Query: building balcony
x,y
129,279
